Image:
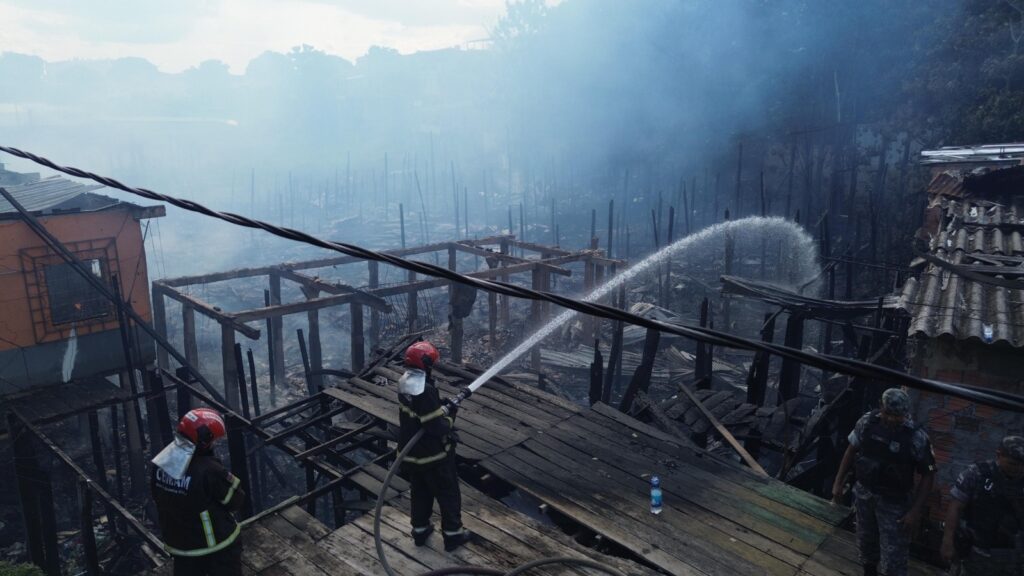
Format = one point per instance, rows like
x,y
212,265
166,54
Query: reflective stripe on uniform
x,y
424,418
435,414
429,459
208,550
235,481
211,540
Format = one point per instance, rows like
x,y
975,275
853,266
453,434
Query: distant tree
x,y
522,20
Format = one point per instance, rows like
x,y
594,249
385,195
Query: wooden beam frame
x,y
224,318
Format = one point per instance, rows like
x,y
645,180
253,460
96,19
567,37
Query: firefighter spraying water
x,y
430,464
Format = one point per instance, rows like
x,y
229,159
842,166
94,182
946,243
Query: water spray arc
x,y
800,240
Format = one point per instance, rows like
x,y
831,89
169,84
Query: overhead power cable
x,y
848,366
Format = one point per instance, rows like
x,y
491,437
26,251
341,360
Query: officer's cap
x,y
896,401
1013,447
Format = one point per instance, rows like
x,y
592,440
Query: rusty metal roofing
x,y
57,194
983,235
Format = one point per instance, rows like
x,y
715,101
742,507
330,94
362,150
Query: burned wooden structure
x,y
321,294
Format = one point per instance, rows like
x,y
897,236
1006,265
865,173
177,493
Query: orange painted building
x,y
53,324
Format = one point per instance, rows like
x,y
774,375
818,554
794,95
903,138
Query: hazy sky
x,y
178,34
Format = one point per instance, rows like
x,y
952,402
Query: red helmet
x,y
421,355
202,426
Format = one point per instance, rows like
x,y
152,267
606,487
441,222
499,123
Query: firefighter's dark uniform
x,y
994,520
430,465
887,459
196,518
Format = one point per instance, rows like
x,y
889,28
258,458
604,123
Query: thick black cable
x,y
850,367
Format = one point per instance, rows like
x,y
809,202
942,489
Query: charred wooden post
x,y
96,446
757,379
242,385
188,328
666,296
160,325
115,448
598,280
227,350
277,330
239,461
133,434
412,302
358,345
596,371
611,224
455,325
492,321
92,560
374,282
537,283
157,412
401,220
255,389
315,351
504,249
270,352
789,373
641,381
588,287
730,249
615,355
25,466
702,363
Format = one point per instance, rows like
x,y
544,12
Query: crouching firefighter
x,y
430,465
195,496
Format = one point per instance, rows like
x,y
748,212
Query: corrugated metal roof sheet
x,y
57,194
987,235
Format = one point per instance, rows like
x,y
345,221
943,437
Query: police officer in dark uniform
x,y
987,509
886,450
430,466
195,496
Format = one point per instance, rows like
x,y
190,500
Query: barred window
x,y
71,297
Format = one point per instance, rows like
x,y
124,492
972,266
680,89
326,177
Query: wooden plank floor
x,y
718,518
293,543
594,466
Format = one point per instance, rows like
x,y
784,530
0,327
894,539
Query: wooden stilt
x,y
133,433
789,373
277,331
702,363
227,350
412,303
270,353
25,476
374,282
596,372
188,328
160,324
92,561
642,377
358,346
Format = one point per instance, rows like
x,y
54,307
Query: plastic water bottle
x,y
655,495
